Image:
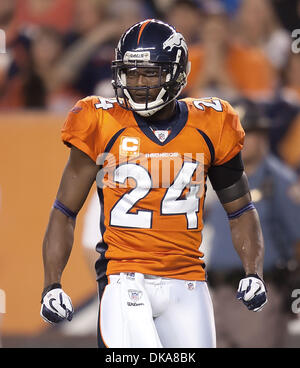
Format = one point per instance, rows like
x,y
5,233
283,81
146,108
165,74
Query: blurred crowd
x,y
59,51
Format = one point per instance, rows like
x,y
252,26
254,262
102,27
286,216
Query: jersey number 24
x,y
171,204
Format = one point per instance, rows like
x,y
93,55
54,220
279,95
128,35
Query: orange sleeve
x,y
81,128
232,135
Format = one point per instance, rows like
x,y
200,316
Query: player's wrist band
x,y
65,210
236,214
56,285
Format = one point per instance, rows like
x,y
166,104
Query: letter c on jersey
x,y
130,146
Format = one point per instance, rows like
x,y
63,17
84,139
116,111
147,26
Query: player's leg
x,y
110,319
188,322
125,314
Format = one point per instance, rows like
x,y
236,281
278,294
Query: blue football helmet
x,y
150,44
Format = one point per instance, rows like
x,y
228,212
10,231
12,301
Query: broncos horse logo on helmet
x,y
151,43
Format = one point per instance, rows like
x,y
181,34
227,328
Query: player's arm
x,y
77,179
231,185
246,234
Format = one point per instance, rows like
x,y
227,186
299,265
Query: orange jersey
x,y
152,190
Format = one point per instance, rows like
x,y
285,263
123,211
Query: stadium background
x,y
58,51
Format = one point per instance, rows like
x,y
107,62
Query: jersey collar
x,y
177,124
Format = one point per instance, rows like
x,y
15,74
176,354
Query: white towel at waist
x,y
139,329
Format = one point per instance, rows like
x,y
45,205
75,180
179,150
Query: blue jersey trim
x,y
209,145
177,124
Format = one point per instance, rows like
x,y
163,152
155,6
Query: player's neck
x,y
165,113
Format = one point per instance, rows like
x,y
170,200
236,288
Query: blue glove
x,y
56,305
252,292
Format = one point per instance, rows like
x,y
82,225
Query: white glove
x,y
56,306
252,292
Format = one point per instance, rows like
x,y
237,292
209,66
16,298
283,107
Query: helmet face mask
x,y
151,67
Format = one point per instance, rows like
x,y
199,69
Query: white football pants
x,y
143,311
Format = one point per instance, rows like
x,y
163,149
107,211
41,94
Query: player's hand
x,y
252,292
56,306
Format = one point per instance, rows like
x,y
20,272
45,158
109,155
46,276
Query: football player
x,y
150,154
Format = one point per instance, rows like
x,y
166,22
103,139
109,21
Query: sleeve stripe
x,y
113,140
209,145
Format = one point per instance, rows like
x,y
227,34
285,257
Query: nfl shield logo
x,y
191,285
162,135
134,295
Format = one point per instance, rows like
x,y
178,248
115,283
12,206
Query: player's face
x,y
142,77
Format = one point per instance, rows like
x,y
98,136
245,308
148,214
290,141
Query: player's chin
x,y
140,99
